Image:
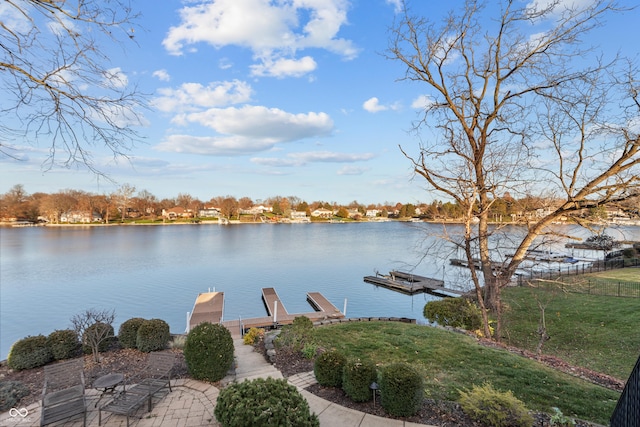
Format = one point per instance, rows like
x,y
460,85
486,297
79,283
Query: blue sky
x,y
261,98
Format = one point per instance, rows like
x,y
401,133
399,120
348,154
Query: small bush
x,y
208,352
328,368
454,312
178,341
309,350
495,408
296,335
64,344
263,402
153,335
128,332
252,336
10,394
98,331
29,352
357,376
402,390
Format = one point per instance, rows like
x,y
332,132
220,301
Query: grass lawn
x,y
625,274
451,362
597,332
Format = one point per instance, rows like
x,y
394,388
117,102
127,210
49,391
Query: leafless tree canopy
x,y
59,88
517,104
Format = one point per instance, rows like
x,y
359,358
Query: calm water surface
x,y
48,274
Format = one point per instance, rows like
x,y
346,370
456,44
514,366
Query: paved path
x,y
191,404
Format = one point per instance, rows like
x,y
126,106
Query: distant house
x,y
372,213
322,213
209,212
80,217
299,216
256,210
177,212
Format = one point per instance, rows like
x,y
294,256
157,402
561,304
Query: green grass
x,y
451,362
625,274
596,332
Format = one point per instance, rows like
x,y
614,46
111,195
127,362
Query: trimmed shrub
x,y
495,408
29,352
296,335
96,331
263,402
10,394
128,332
454,312
357,376
208,352
401,389
153,335
64,344
328,368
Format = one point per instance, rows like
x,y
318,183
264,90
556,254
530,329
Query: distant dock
x,y
412,284
209,308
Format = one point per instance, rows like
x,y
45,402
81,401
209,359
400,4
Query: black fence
x,y
574,279
627,412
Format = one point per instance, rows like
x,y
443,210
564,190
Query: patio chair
x,y
63,394
155,376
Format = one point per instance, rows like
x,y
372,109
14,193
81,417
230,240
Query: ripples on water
x,y
48,274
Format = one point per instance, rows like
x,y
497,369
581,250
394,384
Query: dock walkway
x,y
412,284
209,307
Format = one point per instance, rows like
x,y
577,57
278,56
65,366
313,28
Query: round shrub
x,y
208,352
454,312
296,335
153,335
495,408
402,390
328,368
29,352
128,332
357,376
10,394
263,402
98,331
64,344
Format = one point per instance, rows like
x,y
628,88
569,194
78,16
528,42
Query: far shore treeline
x,y
128,204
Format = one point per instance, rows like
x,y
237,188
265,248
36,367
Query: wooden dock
x,y
210,308
412,284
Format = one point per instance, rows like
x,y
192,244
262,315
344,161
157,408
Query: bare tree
x,y
510,108
58,83
122,196
94,327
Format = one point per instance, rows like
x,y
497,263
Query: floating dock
x,y
209,308
412,284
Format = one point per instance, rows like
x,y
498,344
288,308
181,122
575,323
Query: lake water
x,y
49,274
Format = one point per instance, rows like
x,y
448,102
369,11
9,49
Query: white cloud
x,y
194,96
284,67
303,158
561,5
422,102
214,146
263,123
116,77
372,105
273,31
352,170
162,75
13,19
397,5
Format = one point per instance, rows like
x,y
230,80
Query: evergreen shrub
x,y
454,312
128,332
98,329
401,389
208,352
263,402
64,344
296,335
10,394
357,377
328,368
29,352
254,334
153,335
495,408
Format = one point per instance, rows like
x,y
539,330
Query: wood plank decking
x,y
412,284
210,307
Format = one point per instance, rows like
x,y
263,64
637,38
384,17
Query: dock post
x,y
344,310
188,320
275,312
